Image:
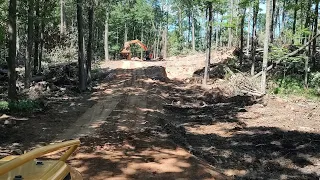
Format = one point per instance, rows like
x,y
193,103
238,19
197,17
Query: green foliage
x,y
4,106
294,85
20,106
277,52
289,85
3,16
315,80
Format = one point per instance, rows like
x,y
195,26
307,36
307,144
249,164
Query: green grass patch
x,y
293,85
26,105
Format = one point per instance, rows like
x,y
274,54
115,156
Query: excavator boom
x,y
126,53
144,47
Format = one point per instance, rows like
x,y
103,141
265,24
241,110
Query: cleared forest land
x,y
152,120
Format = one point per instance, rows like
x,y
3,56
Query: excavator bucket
x,y
29,167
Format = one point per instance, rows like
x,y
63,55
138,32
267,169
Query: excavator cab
x,y
148,55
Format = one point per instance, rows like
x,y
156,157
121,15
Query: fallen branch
x,y
288,55
176,106
258,94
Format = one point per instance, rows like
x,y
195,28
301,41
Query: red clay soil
x,y
137,127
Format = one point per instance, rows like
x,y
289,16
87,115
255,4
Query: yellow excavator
x,y
30,166
126,53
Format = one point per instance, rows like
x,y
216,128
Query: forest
x,y
234,83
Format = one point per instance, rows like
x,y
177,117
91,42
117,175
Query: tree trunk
x,y
125,32
274,2
283,14
220,30
229,28
217,32
242,35
180,29
81,61
254,38
193,32
248,37
189,29
141,52
165,55
18,40
306,69
37,38
28,62
90,41
180,21
307,22
62,17
315,30
158,40
295,19
155,49
163,41
266,48
11,60
209,37
106,36
43,14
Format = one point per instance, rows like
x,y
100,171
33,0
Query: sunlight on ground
x,y
131,163
220,129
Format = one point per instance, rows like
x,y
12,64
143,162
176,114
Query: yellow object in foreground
x,y
28,167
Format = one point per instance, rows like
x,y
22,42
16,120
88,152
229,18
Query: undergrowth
x,y
22,106
294,85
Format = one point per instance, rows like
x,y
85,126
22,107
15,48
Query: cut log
x,y
288,55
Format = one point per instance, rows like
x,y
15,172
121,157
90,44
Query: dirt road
x,y
122,137
139,125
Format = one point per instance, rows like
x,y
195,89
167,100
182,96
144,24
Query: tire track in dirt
x,y
127,144
92,118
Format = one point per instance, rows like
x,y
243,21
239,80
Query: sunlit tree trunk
x,y
209,37
106,36
249,29
230,29
217,32
158,40
165,51
266,48
142,39
193,32
180,29
220,31
62,17
242,35
254,36
125,32
90,41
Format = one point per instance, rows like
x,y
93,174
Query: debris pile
x,y
153,72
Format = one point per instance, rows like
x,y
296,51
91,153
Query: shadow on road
x,y
157,122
